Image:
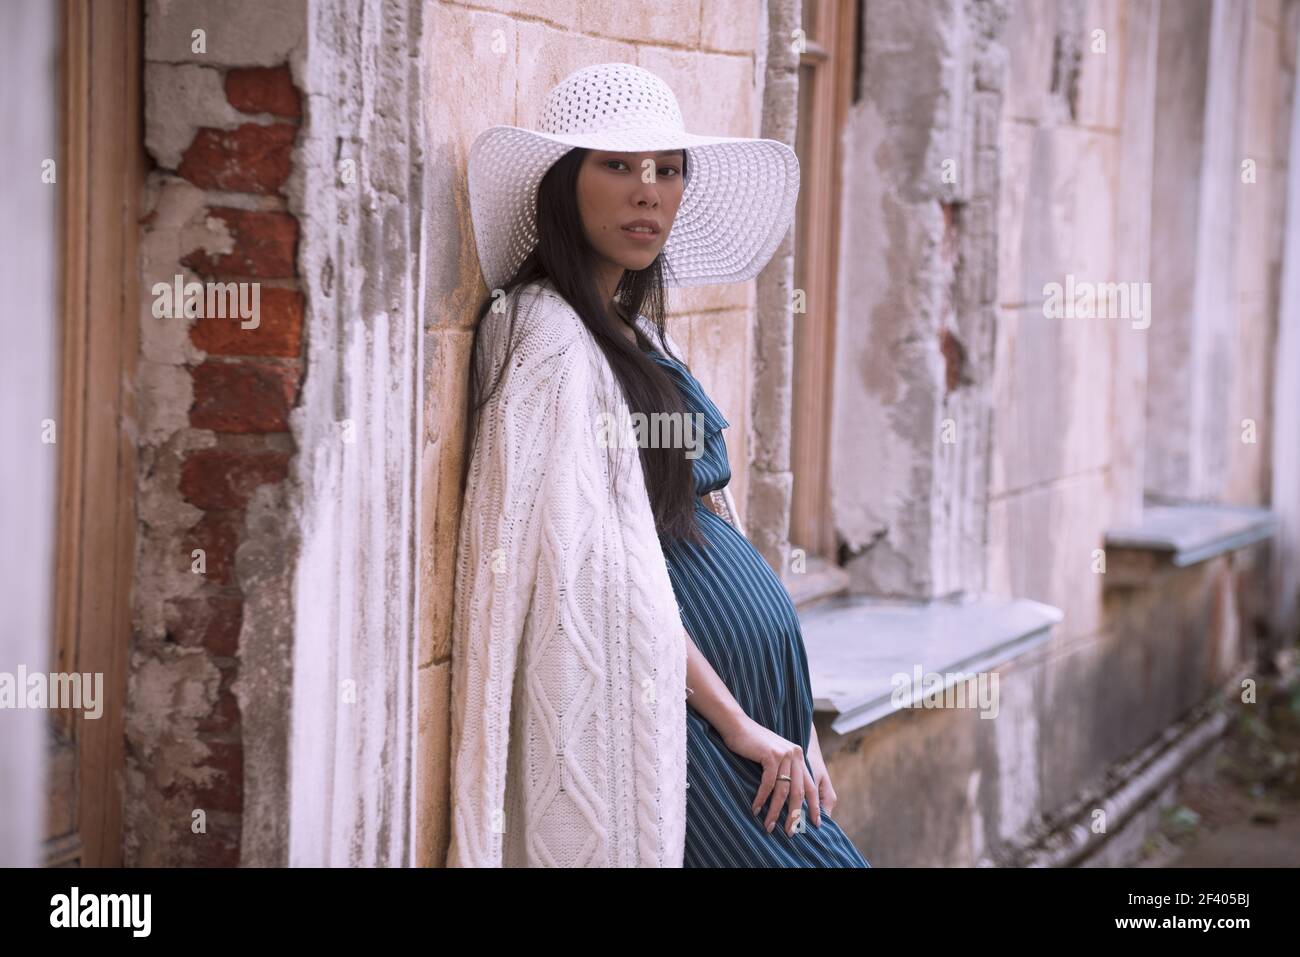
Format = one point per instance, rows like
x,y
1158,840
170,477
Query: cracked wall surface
x,y
914,335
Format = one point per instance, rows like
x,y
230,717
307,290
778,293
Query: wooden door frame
x,y
811,524
101,169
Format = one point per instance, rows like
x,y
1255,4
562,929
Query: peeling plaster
x,y
173,689
180,99
237,32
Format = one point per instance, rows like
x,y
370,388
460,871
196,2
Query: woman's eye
x,y
607,162
671,170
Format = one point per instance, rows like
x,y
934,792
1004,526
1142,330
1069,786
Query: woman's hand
x,y
821,780
778,757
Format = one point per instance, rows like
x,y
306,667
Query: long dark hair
x,y
565,257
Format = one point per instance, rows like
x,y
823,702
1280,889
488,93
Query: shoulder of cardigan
x,y
545,304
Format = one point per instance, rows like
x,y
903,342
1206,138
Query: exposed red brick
x,y
211,622
243,396
226,478
224,717
219,847
265,244
264,89
954,357
278,333
218,844
248,159
224,787
218,536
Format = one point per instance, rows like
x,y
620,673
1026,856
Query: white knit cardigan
x,y
568,724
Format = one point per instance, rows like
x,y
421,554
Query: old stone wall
x,y
275,592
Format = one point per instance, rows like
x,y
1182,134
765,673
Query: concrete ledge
x,y
856,645
1175,536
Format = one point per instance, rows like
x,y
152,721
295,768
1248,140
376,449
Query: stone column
x,y
1286,391
1194,212
1133,254
360,195
771,482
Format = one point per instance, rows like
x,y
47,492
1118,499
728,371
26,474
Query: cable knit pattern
x,y
568,716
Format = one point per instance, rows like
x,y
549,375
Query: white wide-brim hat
x,y
737,204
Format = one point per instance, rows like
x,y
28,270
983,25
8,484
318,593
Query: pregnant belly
x,y
740,616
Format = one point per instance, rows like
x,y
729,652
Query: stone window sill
x,y
856,645
1176,536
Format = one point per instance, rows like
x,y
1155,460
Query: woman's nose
x,y
647,193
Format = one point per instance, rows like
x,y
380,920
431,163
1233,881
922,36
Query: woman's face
x,y
628,202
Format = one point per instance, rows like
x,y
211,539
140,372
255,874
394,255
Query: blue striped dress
x,y
742,619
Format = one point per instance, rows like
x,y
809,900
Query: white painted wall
x,y
1286,402
354,645
29,325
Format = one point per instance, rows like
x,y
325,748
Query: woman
x,y
629,683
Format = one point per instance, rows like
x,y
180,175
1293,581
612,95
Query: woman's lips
x,y
641,237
